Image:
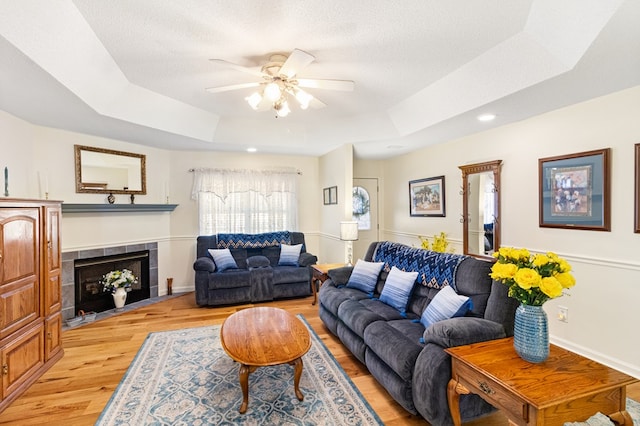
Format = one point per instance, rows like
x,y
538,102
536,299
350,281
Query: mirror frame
x,y
489,166
80,188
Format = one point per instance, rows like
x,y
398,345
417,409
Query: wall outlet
x,y
563,314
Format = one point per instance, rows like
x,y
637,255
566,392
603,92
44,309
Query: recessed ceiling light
x,y
486,117
252,149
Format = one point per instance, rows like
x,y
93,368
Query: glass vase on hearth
x,y
531,333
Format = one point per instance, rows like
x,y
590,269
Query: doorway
x,y
365,212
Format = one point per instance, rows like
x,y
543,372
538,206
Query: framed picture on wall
x,y
426,197
330,195
636,215
574,191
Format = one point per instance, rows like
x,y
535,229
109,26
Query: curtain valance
x,y
223,182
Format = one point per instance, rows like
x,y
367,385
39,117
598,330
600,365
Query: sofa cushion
x,y
307,259
340,276
289,255
290,274
397,289
231,278
223,259
396,343
258,262
388,313
473,280
331,297
446,304
462,331
365,276
357,316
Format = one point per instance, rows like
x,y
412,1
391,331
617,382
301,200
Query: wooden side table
x,y
565,387
320,276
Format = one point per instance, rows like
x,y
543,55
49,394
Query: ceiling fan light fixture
x,y
272,91
282,108
254,100
303,98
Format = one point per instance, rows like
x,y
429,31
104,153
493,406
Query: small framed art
x,y
426,197
574,191
330,195
636,214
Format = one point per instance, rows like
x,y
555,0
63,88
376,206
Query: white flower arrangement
x,y
118,279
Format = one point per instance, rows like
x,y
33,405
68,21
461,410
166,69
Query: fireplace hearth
x,y
89,291
70,258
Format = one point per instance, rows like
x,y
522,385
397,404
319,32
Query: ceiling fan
x,y
279,82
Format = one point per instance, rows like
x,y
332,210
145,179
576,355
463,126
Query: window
x,y
241,201
361,208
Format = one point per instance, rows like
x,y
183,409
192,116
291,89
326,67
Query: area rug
x,y
599,419
184,377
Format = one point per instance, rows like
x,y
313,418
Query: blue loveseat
x,y
405,357
257,272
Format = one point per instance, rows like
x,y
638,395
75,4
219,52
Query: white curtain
x,y
245,201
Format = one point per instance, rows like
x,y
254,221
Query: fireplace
x,y
89,292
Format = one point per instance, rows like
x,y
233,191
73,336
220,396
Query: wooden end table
x,y
565,387
320,276
262,336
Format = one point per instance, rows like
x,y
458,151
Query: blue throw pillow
x,y
364,276
397,289
447,304
289,255
223,259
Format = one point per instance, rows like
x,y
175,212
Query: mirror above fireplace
x,y
105,171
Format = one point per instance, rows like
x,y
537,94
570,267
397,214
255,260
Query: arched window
x,y
361,208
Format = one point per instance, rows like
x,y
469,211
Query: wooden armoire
x,y
30,293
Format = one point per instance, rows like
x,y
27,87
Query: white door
x,y
365,211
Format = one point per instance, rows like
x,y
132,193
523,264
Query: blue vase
x,y
531,333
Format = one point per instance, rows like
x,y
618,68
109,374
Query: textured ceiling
x,y
423,70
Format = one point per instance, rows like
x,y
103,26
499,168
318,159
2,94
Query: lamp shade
x,y
349,231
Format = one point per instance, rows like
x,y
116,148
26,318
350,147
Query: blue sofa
x,y
258,275
406,358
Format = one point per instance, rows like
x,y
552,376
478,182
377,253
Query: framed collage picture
x,y
574,191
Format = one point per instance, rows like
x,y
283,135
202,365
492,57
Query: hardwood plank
x,y
76,389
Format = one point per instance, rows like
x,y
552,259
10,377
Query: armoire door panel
x,y
22,357
19,305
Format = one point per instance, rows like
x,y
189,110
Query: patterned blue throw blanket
x,y
266,239
434,269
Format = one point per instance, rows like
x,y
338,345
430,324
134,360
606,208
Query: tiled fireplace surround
x,y
68,286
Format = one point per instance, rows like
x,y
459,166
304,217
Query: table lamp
x,y
349,233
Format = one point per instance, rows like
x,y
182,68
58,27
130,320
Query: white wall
x,y
336,169
603,305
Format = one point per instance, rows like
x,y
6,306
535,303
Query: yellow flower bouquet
x,y
439,244
532,279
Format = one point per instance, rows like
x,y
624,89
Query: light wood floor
x,y
77,388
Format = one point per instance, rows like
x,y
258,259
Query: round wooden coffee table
x,y
258,337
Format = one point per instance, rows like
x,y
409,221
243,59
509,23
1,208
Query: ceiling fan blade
x,y
237,67
343,85
231,87
316,103
297,60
